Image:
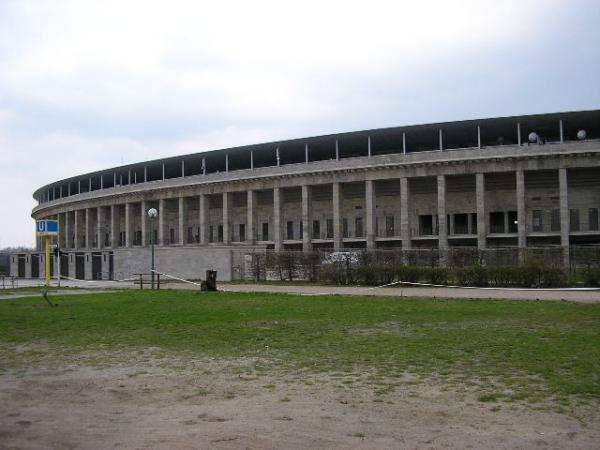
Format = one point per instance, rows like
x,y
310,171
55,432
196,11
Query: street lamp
x,y
152,213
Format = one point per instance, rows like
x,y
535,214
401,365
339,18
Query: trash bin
x,y
211,280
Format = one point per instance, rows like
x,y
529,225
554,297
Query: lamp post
x,y
152,213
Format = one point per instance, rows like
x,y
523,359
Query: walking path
x,y
87,287
429,292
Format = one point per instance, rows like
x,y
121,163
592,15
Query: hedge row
x,y
528,276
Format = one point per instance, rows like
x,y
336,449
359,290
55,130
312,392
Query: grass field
x,y
530,351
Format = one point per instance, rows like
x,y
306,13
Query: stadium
x,y
491,186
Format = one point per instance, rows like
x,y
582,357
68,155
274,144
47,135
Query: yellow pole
x,y
47,261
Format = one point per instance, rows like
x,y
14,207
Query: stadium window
x,y
242,230
497,222
290,230
265,231
316,231
512,222
574,219
389,226
358,227
329,228
171,235
211,234
536,220
190,235
345,231
461,223
593,219
555,220
426,225
220,233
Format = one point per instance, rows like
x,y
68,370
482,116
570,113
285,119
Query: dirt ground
x,y
214,406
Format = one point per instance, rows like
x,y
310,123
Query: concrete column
x,y
560,130
71,263
404,143
521,212
251,222
369,146
114,240
128,225
564,214
226,224
203,219
469,224
182,224
337,217
306,218
67,231
143,222
277,207
162,219
442,225
404,214
480,200
100,227
478,136
370,213
87,266
88,241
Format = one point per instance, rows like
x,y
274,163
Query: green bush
x,y
375,274
504,276
471,276
591,277
434,275
411,274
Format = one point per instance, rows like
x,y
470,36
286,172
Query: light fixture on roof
x,y
533,137
581,135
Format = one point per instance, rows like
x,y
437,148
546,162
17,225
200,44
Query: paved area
x,y
579,296
429,292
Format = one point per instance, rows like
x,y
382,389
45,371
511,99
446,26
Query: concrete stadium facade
x,y
503,182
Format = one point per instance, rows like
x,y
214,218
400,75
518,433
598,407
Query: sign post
x,y
47,228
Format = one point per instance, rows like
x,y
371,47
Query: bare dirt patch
x,y
223,404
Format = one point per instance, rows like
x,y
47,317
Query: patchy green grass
x,y
504,350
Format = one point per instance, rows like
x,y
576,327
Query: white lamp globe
x,y
581,135
152,212
533,137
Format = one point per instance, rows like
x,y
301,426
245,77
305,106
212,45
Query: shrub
x,y
411,274
375,274
504,276
471,276
591,277
435,275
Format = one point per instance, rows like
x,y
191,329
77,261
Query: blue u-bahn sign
x,y
46,227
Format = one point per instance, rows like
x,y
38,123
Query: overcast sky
x,y
88,85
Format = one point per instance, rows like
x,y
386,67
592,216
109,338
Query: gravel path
x,y
429,292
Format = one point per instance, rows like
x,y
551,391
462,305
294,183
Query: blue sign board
x,y
46,227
